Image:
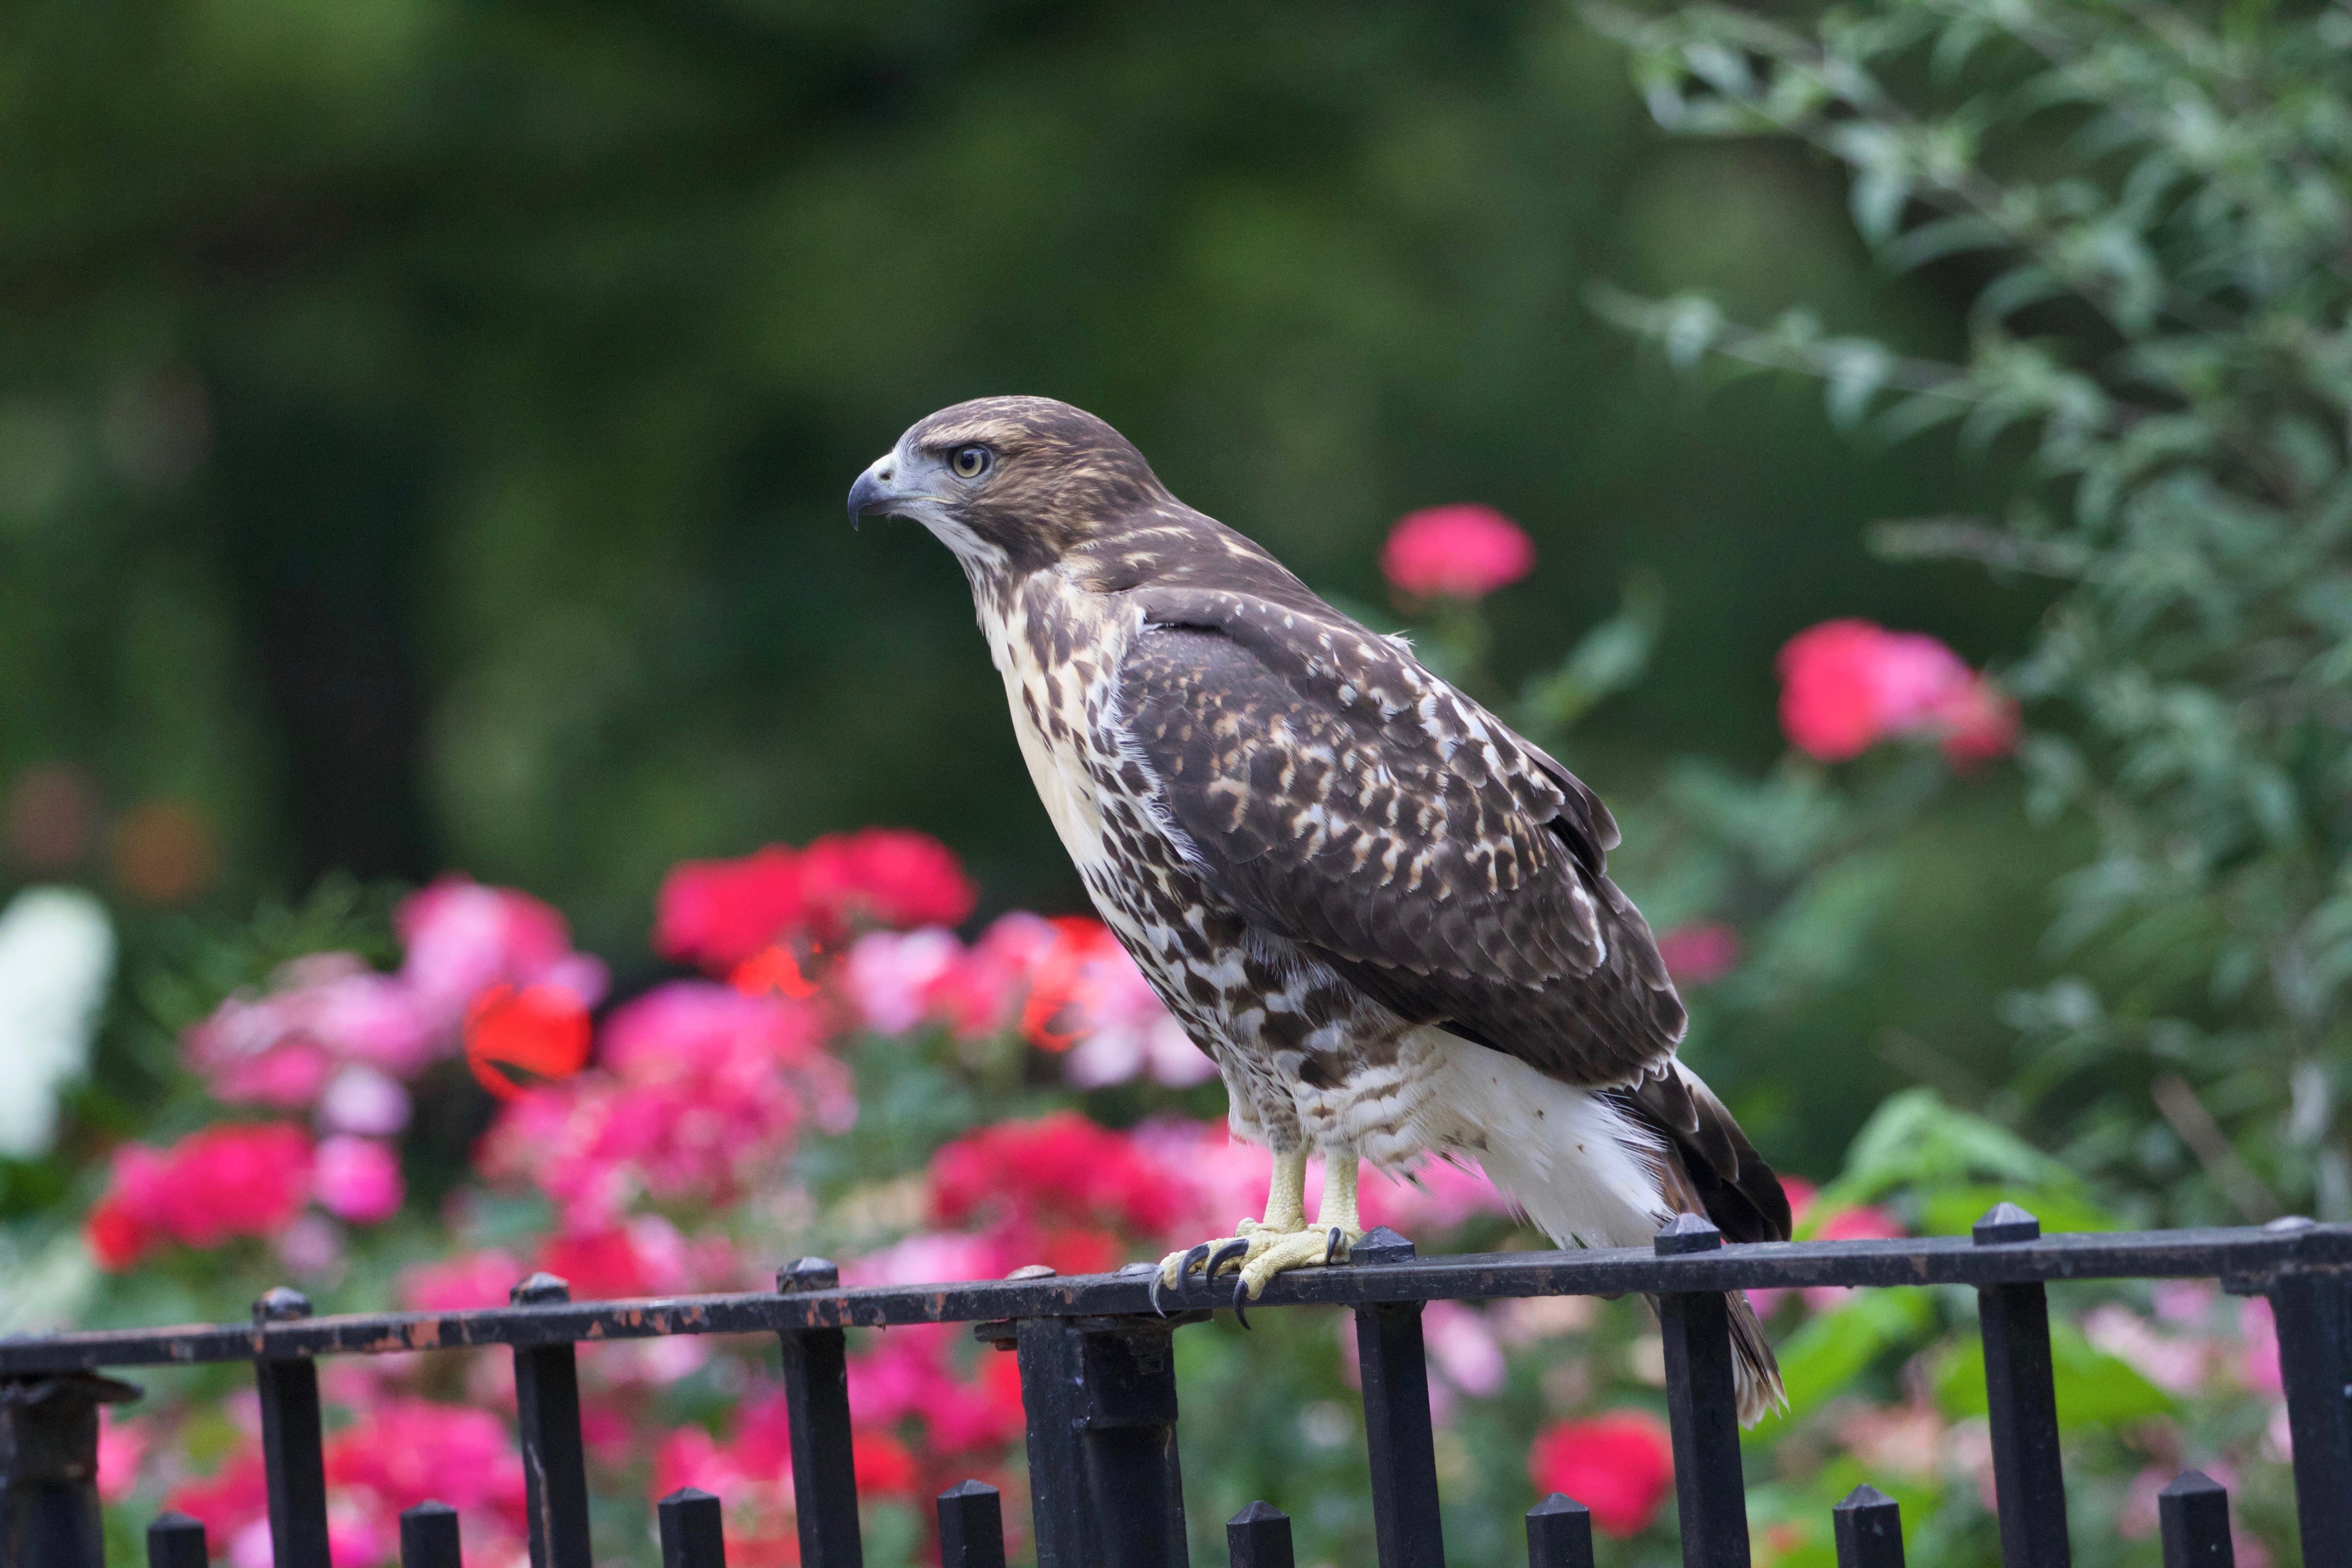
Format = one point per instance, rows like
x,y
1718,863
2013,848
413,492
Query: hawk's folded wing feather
x,y
1348,800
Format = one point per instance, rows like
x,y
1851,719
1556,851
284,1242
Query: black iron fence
x,y
1098,1381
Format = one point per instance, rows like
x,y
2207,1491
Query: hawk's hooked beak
x,y
872,495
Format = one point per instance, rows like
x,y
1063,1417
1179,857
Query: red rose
x,y
884,876
1619,1466
717,913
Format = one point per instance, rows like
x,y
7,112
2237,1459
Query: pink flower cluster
x,y
1067,982
1464,551
907,1384
697,1097
1847,685
403,1451
643,1256
1060,1190
719,914
337,1039
208,1187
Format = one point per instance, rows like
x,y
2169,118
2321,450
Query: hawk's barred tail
x,y
1755,1374
1707,1166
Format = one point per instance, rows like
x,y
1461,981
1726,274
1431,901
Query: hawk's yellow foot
x,y
1303,1249
1286,1214
1282,1240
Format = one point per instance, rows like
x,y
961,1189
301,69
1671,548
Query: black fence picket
x,y
2194,1514
293,1458
817,1408
2314,1312
554,1451
1703,1408
175,1541
1259,1537
972,1526
1559,1533
1867,1527
1097,1364
692,1531
1398,1435
428,1537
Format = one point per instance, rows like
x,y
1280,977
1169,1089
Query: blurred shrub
x,y
2148,208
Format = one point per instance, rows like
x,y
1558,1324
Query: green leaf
x,y
1823,1357
1916,1142
1604,661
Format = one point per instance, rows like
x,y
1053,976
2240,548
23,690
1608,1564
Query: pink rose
x,y
358,1179
1464,551
1847,685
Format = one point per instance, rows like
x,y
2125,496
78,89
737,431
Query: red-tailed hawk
x,y
1384,915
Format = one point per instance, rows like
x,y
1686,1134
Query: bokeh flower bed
x,y
837,1062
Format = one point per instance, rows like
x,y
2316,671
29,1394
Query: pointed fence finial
x,y
2005,1222
541,1290
691,1532
972,1526
175,1541
807,1274
1559,1533
281,1304
428,1536
1380,1244
1687,1233
2193,1512
1869,1530
1259,1537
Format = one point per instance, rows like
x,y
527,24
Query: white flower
x,y
57,955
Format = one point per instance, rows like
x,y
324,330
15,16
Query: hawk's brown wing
x,y
1347,799
1342,796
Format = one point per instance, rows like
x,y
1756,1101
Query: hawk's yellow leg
x,y
1335,1230
1263,1249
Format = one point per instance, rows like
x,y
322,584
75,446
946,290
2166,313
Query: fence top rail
x,y
2246,1260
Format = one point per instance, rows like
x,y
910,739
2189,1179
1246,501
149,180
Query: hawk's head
x,y
1010,483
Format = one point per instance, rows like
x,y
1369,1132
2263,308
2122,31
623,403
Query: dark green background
x,y
423,426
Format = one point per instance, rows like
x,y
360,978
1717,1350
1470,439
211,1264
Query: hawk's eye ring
x,y
969,462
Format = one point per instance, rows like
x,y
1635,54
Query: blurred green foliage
x,y
2154,206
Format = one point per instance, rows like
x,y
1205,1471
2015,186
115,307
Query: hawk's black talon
x,y
1241,1303
1235,1248
1152,1294
1331,1247
1184,1269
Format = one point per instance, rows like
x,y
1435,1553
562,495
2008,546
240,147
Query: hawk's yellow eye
x,y
969,462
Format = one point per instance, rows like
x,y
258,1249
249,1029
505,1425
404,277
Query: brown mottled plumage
x,y
1387,917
